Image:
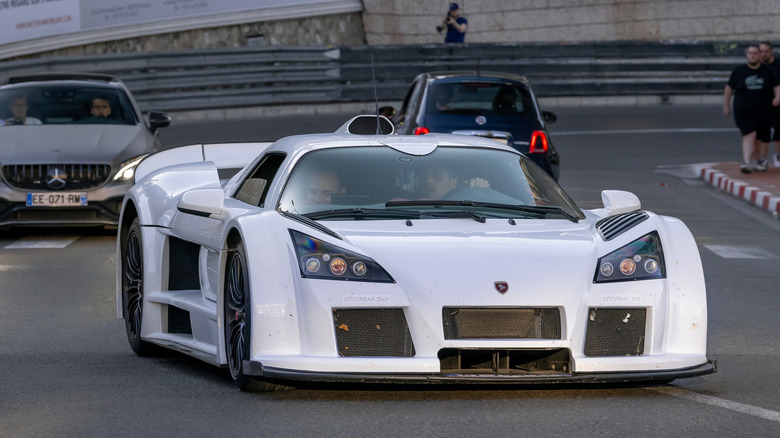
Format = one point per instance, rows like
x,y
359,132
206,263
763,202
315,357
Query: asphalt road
x,y
66,369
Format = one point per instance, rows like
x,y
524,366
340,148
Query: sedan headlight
x,y
641,259
318,259
127,169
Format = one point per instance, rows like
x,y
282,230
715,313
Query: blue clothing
x,y
453,36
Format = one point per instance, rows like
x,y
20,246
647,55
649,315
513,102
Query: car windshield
x,y
382,183
482,97
52,104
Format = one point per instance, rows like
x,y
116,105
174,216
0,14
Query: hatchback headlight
x,y
318,259
642,259
126,170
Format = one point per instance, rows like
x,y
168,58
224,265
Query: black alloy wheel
x,y
133,289
238,322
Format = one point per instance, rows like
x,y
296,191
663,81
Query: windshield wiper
x,y
362,213
539,209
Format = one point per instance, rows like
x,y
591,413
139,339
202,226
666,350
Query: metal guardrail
x,y
197,80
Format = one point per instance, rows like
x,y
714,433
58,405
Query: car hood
x,y
73,143
463,258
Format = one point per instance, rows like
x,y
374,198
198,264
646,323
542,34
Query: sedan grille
x,y
56,176
502,323
372,332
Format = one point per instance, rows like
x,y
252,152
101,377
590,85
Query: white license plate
x,y
56,199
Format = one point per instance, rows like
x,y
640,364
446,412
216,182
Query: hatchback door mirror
x,y
549,116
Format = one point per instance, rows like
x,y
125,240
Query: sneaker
x,y
760,166
776,158
745,168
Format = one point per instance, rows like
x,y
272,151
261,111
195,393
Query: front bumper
x,y
256,369
102,209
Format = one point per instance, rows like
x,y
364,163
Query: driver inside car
x,y
438,181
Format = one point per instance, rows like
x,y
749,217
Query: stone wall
x,y
324,30
492,21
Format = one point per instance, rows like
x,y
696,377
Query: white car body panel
x,y
434,264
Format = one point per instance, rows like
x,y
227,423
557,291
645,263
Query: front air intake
x,y
372,332
367,125
613,226
615,331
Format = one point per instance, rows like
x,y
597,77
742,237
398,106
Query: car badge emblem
x,y
55,177
501,286
481,120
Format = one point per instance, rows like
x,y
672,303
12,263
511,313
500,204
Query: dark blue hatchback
x,y
501,106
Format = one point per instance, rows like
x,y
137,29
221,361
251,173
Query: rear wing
x,y
229,158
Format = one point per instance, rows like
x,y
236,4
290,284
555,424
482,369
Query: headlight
x,y
641,259
127,169
318,259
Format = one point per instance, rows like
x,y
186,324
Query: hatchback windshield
x,y
64,104
381,182
479,97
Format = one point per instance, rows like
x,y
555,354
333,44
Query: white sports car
x,y
365,257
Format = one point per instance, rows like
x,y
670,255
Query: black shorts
x,y
759,121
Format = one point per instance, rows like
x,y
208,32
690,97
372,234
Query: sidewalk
x,y
762,189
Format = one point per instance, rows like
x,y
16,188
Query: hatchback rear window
x,y
480,97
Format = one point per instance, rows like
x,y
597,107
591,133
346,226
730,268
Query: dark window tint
x,y
481,97
255,188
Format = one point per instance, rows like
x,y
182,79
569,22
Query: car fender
x,y
686,327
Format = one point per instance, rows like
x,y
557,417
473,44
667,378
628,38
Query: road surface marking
x,y
38,242
719,402
643,131
740,252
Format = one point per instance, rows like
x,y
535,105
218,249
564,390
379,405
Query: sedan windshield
x,y
65,104
361,183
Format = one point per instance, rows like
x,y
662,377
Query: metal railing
x,y
208,79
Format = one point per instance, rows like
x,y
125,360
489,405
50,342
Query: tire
x,y
238,323
133,289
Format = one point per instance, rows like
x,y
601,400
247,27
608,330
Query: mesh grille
x,y
179,321
613,226
372,332
501,323
615,332
366,125
183,262
70,176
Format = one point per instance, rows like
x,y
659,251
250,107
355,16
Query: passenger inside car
x,y
18,108
506,100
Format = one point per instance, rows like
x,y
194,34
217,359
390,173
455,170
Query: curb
x,y
740,189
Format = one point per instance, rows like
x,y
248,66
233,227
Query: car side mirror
x,y
549,116
202,202
158,119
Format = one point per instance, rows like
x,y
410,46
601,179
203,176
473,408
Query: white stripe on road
x,y
643,131
740,252
37,242
719,402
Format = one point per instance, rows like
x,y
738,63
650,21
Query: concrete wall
x,y
414,21
324,30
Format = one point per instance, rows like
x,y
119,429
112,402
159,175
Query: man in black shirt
x,y
767,54
755,89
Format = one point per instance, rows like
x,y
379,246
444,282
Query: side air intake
x,y
613,226
367,125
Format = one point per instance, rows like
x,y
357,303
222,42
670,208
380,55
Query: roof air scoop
x,y
367,125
